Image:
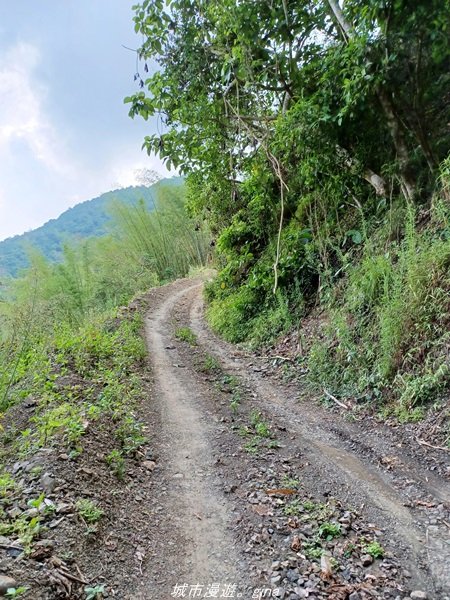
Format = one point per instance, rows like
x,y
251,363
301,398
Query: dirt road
x,y
255,482
198,512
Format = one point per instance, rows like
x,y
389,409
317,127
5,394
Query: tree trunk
x,y
396,130
339,16
376,181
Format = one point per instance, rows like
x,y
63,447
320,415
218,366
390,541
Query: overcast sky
x,y
65,135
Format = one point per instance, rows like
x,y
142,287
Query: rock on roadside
x,y
6,583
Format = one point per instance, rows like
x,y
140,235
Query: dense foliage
x,y
315,140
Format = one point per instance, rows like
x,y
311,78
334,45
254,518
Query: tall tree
x,y
295,114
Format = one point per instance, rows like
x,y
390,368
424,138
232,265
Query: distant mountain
x,y
87,219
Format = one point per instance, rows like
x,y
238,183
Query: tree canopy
x,y
369,81
315,137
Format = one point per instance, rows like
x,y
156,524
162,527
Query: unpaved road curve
x,y
425,544
196,525
204,549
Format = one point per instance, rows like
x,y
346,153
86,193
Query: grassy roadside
x,y
68,440
377,334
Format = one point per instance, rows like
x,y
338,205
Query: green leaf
x,y
355,235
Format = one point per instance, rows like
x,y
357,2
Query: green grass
x,y
329,531
116,462
313,550
252,446
290,482
16,592
260,426
89,511
386,339
374,549
238,316
7,485
25,528
210,364
259,433
94,593
294,508
101,357
380,280
185,334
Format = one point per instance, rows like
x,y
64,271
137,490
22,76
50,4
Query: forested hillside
x,y
278,426
92,278
315,141
84,220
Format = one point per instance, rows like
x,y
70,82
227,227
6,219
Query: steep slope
x,y
87,219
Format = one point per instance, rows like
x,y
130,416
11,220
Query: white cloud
x,y
22,111
124,175
43,167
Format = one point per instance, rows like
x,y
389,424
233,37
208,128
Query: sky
x,y
65,134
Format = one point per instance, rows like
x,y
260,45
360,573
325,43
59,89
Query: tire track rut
x,y
194,508
198,538
427,547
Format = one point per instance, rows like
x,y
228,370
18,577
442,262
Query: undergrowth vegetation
x,y
315,147
387,334
387,306
72,355
56,313
79,382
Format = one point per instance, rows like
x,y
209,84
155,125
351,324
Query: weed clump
x,y
185,334
89,511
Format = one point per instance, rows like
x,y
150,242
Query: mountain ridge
x,y
89,218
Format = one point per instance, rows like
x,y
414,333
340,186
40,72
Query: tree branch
x,y
376,181
394,125
344,26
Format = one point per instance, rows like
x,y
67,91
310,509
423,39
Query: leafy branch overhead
x,y
318,97
314,136
230,71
